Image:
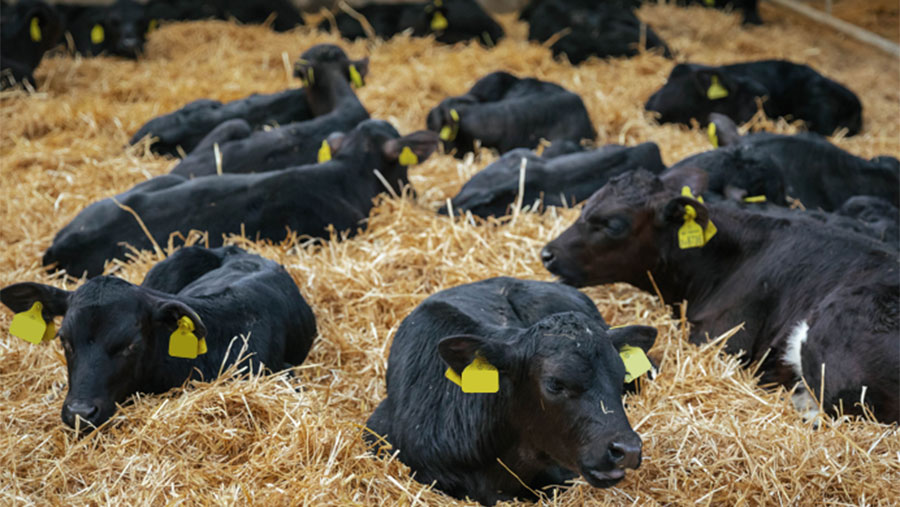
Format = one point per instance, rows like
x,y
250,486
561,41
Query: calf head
x,y
563,379
446,119
322,65
695,91
624,227
384,149
28,31
114,334
119,29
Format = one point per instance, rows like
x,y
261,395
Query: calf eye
x,y
554,385
617,226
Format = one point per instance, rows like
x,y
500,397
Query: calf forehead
x,y
105,292
632,189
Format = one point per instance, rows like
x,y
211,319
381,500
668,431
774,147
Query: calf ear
x,y
421,144
636,336
169,312
459,351
674,210
335,140
722,130
713,85
22,296
687,176
361,66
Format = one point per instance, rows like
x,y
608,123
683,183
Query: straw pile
x,y
711,434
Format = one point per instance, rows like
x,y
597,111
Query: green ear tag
x,y
480,377
324,152
439,22
183,342
29,325
711,132
355,77
35,29
97,34
407,157
716,91
636,362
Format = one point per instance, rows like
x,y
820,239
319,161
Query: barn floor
x,y
711,435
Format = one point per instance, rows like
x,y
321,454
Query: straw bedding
x,y
711,435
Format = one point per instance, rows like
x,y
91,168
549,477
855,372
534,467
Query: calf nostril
x,y
617,452
546,256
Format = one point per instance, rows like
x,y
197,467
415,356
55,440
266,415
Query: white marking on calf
x,y
794,345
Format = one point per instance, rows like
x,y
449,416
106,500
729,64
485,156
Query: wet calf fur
x,y
693,91
808,294
334,107
305,199
565,179
558,412
116,334
504,112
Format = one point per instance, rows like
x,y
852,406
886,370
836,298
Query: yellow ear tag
x,y
201,347
312,79
29,325
407,157
716,91
480,377
35,29
711,132
355,77
183,342
324,152
152,25
755,198
690,234
453,376
686,192
636,362
97,34
449,132
710,3
439,22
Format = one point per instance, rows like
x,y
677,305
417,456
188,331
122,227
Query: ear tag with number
x,y
355,77
636,362
716,91
97,34
407,157
35,29
690,234
324,152
439,22
713,138
30,325
183,342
